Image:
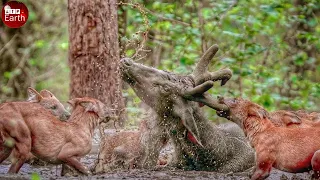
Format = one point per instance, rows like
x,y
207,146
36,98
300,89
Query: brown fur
x,y
294,118
55,141
287,149
47,100
198,143
122,150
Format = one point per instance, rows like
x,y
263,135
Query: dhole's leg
x,y
263,166
73,162
7,144
5,153
68,155
21,154
15,167
315,163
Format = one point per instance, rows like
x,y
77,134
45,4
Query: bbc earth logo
x,y
14,14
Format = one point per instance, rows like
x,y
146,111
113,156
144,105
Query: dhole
x,y
288,149
55,141
122,150
294,119
45,98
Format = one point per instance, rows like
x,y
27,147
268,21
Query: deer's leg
x,y
315,163
152,142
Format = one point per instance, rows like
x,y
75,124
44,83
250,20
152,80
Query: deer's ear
x,y
46,93
189,123
258,112
33,95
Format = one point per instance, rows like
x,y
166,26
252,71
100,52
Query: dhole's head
x,y
241,109
93,106
46,99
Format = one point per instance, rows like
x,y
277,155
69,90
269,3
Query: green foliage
x,y
35,176
272,46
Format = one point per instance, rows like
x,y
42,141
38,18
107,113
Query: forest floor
x,y
53,172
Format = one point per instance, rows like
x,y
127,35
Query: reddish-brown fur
x,y
282,118
55,141
7,111
287,149
122,150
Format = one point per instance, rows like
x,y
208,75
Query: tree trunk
x,y
94,51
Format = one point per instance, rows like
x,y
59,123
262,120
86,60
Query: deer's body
x,y
198,143
288,149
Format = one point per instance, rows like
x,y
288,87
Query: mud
x,y
53,172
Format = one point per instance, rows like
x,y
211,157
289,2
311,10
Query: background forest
x,y
272,46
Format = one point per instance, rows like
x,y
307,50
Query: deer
x,y
287,149
52,140
176,100
47,100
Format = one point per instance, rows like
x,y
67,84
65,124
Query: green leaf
x,y
35,176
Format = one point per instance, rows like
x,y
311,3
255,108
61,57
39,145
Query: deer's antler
x,y
204,81
199,94
201,73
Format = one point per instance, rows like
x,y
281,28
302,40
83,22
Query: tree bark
x,y
94,52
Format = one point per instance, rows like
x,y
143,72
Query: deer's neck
x,y
209,132
254,126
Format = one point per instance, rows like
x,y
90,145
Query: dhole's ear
x,y
33,95
46,93
72,102
90,107
291,118
258,112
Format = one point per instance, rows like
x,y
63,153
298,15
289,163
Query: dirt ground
x,y
53,172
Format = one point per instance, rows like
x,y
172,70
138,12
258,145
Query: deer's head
x,y
170,94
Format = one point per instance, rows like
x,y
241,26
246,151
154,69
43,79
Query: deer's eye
x,y
54,107
165,88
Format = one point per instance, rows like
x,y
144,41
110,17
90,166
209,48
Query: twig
x,y
167,19
8,43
